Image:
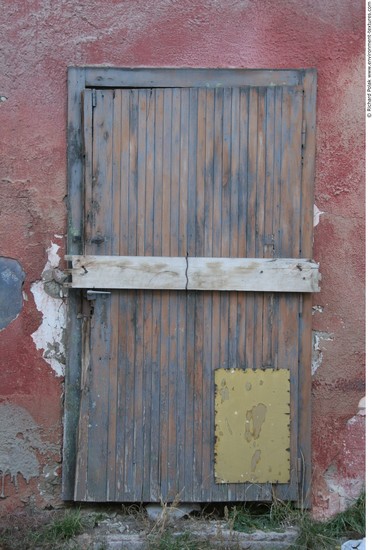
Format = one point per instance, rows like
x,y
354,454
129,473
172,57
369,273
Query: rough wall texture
x,y
40,38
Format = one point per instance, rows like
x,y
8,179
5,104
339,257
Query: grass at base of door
x,y
317,535
58,531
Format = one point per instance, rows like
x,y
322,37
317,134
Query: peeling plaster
x,y
317,214
50,482
19,443
343,490
362,407
50,335
317,355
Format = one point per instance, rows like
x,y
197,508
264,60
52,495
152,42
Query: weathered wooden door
x,y
186,167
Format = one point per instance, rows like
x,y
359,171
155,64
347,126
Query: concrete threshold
x,y
209,534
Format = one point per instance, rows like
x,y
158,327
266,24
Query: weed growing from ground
x,y
313,535
59,530
52,535
169,541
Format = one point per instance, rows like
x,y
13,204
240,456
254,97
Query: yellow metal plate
x,y
252,426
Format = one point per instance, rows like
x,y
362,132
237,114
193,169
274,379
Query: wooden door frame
x,y
81,78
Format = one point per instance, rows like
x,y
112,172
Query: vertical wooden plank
x,y
141,169
84,352
190,389
289,245
155,466
207,401
139,368
235,298
217,250
123,299
183,438
100,242
76,84
130,302
307,194
251,223
233,329
133,173
176,324
184,170
276,213
268,235
128,390
199,372
191,301
138,375
165,297
242,223
115,298
226,222
260,223
148,296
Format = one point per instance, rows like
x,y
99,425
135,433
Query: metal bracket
x,y
92,294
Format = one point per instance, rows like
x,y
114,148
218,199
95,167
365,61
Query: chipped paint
x,y
362,407
317,214
20,444
343,490
50,482
50,335
317,355
252,426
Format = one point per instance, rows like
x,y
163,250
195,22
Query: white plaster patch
x,y
317,214
343,491
362,407
50,334
317,355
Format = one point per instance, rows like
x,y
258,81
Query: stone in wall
x,y
12,277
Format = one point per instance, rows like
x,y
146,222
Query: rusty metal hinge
x,y
94,98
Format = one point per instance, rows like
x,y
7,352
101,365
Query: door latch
x,y
92,294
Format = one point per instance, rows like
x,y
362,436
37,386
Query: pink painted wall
x,y
40,38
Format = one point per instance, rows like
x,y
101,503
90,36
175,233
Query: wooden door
x,y
187,171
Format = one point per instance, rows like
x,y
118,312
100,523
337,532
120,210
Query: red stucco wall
x,y
40,38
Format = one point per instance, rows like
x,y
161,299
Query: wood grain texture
x,y
177,273
306,241
76,83
113,77
191,175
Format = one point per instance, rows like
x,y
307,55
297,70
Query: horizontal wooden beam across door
x,y
121,77
189,273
